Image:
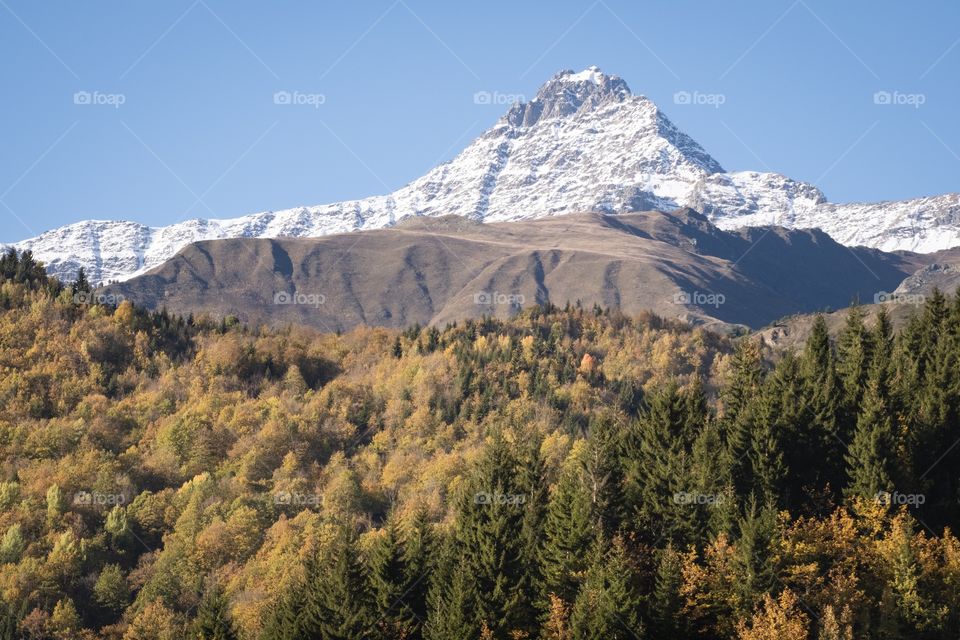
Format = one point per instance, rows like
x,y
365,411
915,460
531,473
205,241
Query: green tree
x,y
337,602
212,621
110,591
451,599
489,532
609,602
569,530
870,457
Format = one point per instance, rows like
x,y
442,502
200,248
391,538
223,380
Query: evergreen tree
x,y
853,364
81,284
658,468
666,599
609,602
532,481
754,553
387,573
745,378
213,620
738,397
337,600
817,459
489,534
711,477
870,456
569,530
603,473
419,548
451,599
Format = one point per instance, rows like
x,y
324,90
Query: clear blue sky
x,y
198,121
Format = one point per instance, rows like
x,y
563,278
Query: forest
x,y
565,474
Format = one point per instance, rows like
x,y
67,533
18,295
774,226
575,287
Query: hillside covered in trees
x,y
565,474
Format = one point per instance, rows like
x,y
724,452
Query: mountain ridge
x,y
584,143
676,264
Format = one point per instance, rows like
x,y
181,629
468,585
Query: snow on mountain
x,y
585,142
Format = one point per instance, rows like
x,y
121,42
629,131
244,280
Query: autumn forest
x,y
569,473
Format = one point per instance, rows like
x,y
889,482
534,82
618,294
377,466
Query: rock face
x,y
584,143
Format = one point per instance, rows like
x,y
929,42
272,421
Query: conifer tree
x,y
338,604
489,533
658,468
213,619
532,482
419,549
603,473
609,602
853,364
569,530
870,456
451,599
817,458
711,476
667,600
81,284
753,561
387,573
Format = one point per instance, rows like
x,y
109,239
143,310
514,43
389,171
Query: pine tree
x,y
738,398
870,456
337,600
602,467
81,284
769,418
853,363
532,482
711,476
569,530
287,618
608,604
817,460
666,599
451,599
489,533
213,620
753,562
419,549
387,573
658,468
744,382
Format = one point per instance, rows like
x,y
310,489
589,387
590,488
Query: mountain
x,y
678,265
584,143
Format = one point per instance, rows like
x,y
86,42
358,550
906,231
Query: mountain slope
x,y
584,143
677,265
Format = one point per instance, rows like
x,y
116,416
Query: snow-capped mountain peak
x,y
567,94
583,143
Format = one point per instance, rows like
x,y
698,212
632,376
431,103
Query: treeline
x,y
568,473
